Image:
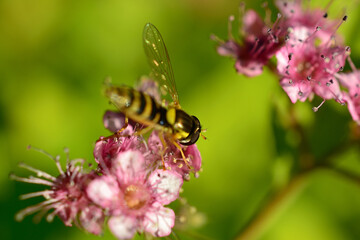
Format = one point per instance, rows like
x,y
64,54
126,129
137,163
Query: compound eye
x,y
194,137
190,140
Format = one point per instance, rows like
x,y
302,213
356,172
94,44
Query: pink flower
x,y
173,158
66,196
106,151
259,44
308,19
352,82
307,69
153,150
134,197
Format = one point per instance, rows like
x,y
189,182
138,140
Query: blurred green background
x,y
54,56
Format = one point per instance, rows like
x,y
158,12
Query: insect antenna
x,y
202,135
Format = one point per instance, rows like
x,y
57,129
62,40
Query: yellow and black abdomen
x,y
136,105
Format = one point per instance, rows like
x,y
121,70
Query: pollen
x,y
136,197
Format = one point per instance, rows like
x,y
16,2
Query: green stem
x,y
284,197
351,176
279,202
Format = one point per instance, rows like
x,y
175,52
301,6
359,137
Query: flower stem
x,y
270,211
344,173
280,200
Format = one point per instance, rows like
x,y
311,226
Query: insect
x,y
171,120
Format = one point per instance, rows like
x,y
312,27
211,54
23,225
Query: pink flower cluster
x,y
309,53
128,189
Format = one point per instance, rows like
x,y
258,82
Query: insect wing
x,y
159,61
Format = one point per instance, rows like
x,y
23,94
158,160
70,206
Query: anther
x,y
290,56
345,18
315,109
325,15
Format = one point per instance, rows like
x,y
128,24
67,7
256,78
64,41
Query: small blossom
x,y
66,196
153,150
259,43
105,151
134,197
307,69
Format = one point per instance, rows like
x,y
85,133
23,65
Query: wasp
x,y
170,120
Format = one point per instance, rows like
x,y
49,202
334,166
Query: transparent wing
x,y
159,61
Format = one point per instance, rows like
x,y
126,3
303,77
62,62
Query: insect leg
x,y
118,132
123,127
161,136
182,153
144,130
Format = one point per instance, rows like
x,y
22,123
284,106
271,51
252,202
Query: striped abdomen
x,y
137,105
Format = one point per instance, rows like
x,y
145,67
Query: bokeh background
x,y
54,56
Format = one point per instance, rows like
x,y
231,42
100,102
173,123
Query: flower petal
x,y
328,90
130,166
253,25
92,219
354,108
105,192
123,227
193,152
159,220
250,68
165,185
296,91
228,48
351,81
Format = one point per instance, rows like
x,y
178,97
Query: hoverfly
x,y
171,120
